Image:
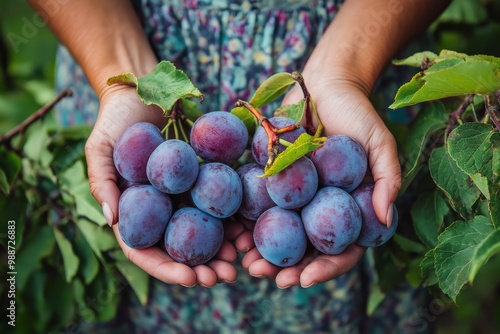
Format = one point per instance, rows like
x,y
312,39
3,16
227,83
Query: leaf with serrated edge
x,y
70,260
417,59
302,146
486,249
125,79
494,202
271,89
428,270
294,111
455,251
469,145
456,185
165,85
428,214
448,78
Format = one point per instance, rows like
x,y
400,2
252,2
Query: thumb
x,y
386,173
103,175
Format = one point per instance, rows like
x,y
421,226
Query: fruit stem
x,y
186,139
309,103
271,131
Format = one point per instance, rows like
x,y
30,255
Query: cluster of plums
x,y
177,194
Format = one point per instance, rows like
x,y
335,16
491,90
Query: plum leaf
x,y
70,260
452,74
486,249
469,145
294,111
164,86
455,251
456,185
304,145
271,89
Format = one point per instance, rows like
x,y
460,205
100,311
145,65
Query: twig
x,y
492,111
40,113
455,116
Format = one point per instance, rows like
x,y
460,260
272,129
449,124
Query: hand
x,y
344,108
120,107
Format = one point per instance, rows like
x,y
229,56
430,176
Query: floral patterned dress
x,y
227,48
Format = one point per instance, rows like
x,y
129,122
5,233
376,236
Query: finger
x,y
158,264
205,276
250,257
386,172
262,268
233,229
227,253
244,242
102,176
225,272
291,276
326,267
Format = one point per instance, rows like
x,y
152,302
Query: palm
x,y
343,109
120,108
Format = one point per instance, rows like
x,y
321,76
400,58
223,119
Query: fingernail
x,y
390,214
309,285
225,281
108,214
283,287
188,286
256,276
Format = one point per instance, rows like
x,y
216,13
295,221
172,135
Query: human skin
x,y
106,39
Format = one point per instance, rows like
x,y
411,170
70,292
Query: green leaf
x,y
416,60
432,118
89,266
456,185
165,85
66,155
190,109
408,245
428,269
271,89
455,251
304,144
70,260
449,78
464,12
247,118
36,247
469,145
494,201
128,79
428,216
99,238
486,249
294,111
10,166
135,276
375,297
74,181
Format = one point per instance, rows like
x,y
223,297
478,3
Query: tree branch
x,y
40,113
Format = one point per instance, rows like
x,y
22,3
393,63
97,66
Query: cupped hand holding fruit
x,y
344,108
120,107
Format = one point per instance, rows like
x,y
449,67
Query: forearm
x,y
105,37
366,34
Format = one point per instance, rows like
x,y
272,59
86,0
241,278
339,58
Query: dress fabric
x,y
227,48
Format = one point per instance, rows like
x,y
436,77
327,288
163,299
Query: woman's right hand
x,y
121,107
